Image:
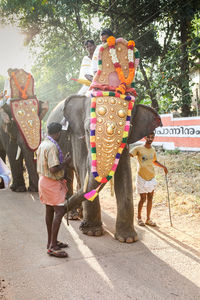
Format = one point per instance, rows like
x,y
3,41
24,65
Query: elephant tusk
x,y
85,182
18,153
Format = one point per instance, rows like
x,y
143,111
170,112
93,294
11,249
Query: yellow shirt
x,y
47,157
145,158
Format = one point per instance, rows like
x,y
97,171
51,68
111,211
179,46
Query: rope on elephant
x,y
86,182
112,186
67,213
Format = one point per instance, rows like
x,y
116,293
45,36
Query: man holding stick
x,y
145,180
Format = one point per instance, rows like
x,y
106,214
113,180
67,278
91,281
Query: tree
x,y
55,33
55,30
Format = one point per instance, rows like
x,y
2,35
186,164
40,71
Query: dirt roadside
x,y
183,182
3,287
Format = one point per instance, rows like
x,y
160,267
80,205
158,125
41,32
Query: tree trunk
x,y
154,102
184,64
78,20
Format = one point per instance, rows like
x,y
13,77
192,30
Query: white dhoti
x,y
145,186
5,173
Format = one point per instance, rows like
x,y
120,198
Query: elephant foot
x,y
73,215
32,189
18,189
126,237
91,230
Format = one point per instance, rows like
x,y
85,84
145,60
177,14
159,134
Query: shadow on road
x,y
165,237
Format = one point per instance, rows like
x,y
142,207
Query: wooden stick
x,y
170,217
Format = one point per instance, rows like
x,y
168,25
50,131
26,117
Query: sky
x,y
12,52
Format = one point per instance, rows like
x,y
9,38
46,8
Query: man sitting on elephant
x,y
86,65
105,33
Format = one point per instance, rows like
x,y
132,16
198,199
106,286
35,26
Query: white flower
x,y
130,55
113,55
112,51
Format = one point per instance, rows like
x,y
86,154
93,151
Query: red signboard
x,y
181,133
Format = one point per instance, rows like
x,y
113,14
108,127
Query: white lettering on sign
x,y
178,131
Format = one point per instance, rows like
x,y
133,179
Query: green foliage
x,y
173,152
55,32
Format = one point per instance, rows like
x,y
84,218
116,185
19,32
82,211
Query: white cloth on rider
x,y
5,173
85,69
7,91
145,186
94,63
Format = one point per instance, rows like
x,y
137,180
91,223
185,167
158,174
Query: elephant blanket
x,y
21,84
113,96
25,107
25,113
109,127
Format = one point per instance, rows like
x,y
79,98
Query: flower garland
x,y
93,121
22,91
131,44
58,147
124,81
111,94
132,51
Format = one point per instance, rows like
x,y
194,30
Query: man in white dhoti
x,y
145,180
85,72
5,175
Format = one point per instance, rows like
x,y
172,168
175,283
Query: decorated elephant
x,y
101,127
76,140
20,128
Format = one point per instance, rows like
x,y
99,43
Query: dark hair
x,y
152,133
89,41
106,31
54,128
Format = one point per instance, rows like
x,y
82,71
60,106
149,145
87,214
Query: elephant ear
x,y
77,111
4,117
144,120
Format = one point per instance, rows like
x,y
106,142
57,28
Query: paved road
x,y
97,268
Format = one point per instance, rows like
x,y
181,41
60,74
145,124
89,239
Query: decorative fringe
x,y
92,194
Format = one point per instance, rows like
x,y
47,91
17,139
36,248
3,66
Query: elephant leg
x,y
124,194
16,166
69,175
32,170
3,154
91,224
